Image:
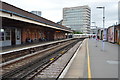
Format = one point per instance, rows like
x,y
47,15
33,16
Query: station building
x,y
111,34
114,34
20,27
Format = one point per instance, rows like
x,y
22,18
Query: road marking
x,y
112,62
88,60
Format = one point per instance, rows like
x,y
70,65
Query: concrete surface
x,y
77,67
104,64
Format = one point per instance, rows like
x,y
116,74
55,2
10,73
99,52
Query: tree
x,y
76,32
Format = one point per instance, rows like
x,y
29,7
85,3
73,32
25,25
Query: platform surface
x,y
76,68
8,49
103,64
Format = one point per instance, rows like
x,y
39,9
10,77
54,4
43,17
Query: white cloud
x,y
52,9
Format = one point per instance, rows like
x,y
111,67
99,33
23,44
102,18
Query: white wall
x,y
5,43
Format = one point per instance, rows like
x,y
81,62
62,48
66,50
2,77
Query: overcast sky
x,y
53,9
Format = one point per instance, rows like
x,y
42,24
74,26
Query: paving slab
x,y
104,64
76,68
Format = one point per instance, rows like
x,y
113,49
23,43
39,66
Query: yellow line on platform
x,y
88,62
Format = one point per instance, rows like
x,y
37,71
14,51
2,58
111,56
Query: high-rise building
x,y
77,18
36,12
119,12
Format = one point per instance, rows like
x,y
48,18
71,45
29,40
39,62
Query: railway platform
x,y
75,68
67,60
91,62
104,63
15,47
29,45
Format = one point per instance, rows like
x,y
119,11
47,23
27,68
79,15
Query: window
x,y
1,34
18,34
7,34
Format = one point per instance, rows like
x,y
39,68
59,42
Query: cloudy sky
x,y
53,9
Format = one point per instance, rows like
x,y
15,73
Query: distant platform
x,y
9,49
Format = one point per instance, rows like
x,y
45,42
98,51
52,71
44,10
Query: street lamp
x,y
103,24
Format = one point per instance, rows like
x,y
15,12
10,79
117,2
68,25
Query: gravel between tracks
x,y
28,60
54,70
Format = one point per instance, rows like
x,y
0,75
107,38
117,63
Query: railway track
x,y
55,69
33,74
13,54
21,69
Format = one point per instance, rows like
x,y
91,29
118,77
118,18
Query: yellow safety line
x,y
88,60
52,59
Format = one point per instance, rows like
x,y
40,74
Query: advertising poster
x,y
111,34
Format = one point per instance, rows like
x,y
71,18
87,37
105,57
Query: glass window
x,y
1,34
7,34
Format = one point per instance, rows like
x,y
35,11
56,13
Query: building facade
x,y
119,12
110,34
77,18
93,30
114,34
21,27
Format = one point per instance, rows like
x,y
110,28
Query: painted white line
x,y
112,62
69,64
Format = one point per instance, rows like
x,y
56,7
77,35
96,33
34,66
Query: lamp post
x,y
103,45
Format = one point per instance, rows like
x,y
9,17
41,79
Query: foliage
x,y
76,32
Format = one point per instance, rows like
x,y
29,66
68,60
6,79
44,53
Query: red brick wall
x,y
31,33
59,35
